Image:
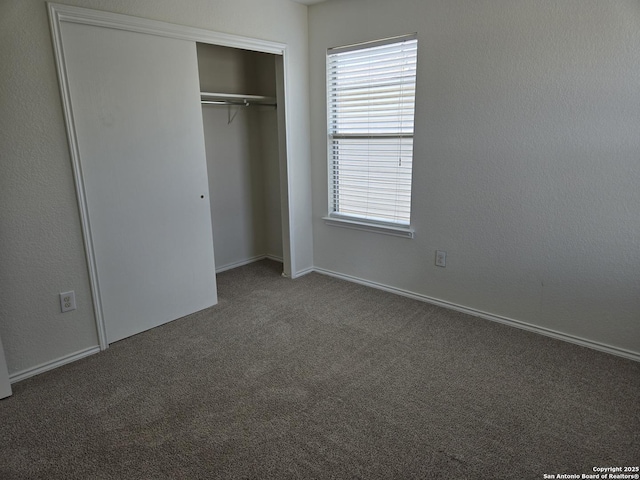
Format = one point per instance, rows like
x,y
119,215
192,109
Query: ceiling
x,y
308,2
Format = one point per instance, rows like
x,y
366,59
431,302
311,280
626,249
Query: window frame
x,y
360,221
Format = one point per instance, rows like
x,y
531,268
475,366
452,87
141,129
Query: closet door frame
x,y
65,13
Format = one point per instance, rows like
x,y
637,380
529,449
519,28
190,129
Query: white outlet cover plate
x,y
67,301
441,258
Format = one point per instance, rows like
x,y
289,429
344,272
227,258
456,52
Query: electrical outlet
x,y
441,258
68,301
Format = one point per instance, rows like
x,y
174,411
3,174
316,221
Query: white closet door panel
x,y
136,107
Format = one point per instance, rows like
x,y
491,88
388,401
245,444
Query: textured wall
x,y
41,249
527,159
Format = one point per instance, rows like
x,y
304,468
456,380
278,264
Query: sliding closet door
x,y
136,108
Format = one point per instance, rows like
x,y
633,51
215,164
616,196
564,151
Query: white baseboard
x,y
488,316
301,273
240,263
44,367
247,261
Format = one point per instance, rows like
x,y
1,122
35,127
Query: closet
x,y
239,111
179,153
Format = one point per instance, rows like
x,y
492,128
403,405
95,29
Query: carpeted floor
x,y
320,378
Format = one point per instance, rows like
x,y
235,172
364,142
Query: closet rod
x,y
239,104
236,99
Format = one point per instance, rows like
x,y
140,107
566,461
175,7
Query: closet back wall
x,y
242,156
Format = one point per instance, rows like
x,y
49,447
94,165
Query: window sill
x,y
405,232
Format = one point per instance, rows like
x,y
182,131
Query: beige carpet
x,y
320,378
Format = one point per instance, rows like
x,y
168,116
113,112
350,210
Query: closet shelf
x,y
207,98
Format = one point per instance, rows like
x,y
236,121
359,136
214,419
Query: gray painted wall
x,y
41,248
527,159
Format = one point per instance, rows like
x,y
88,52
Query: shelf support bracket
x,y
231,117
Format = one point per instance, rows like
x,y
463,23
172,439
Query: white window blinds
x,y
371,97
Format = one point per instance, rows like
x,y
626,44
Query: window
x,y
370,109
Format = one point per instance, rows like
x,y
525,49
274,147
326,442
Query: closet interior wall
x,y
242,156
